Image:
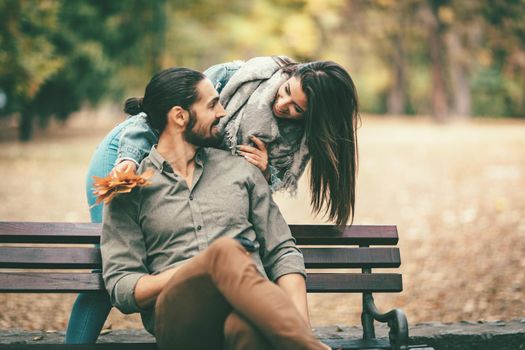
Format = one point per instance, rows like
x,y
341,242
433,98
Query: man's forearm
x,y
295,286
148,287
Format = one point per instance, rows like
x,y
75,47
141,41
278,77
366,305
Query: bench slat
x,y
50,258
26,282
43,282
348,235
89,257
98,346
49,232
353,282
351,257
62,232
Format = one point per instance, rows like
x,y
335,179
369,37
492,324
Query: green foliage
x,y
61,54
57,55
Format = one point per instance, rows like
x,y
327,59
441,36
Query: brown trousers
x,y
218,300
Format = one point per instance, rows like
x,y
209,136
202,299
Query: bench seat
x,y
61,258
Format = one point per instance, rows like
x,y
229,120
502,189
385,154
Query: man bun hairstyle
x,y
171,87
133,105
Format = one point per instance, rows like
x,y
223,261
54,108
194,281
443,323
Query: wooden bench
x,y
44,246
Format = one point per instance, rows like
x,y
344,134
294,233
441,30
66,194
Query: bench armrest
x,y
396,320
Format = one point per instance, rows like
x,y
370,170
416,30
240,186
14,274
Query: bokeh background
x,y
441,138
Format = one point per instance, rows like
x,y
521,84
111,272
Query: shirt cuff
x,y
124,293
292,262
121,159
132,153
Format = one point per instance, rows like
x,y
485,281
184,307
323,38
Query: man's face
x,y
202,129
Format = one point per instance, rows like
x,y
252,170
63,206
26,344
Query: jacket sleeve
x,y
278,251
136,140
220,74
123,252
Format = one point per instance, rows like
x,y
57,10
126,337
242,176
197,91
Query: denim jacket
x,y
138,137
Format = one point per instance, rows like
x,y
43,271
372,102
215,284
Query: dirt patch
x,y
455,192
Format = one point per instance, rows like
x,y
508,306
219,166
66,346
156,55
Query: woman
x,y
290,112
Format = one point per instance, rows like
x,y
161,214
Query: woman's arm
x,y
220,74
295,286
258,155
136,140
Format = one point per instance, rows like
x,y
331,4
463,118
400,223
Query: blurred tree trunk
x,y
459,75
436,48
25,128
159,35
397,95
323,36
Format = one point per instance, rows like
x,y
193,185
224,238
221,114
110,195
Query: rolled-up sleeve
x,y
137,139
123,251
279,254
220,74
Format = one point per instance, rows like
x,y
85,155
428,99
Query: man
x,y
168,250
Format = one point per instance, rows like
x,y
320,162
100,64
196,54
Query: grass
x,y
455,191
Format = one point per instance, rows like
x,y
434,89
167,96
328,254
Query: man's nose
x,y
221,112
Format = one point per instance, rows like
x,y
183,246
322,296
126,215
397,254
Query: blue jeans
x,y
91,310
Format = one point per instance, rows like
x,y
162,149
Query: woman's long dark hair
x,y
168,88
331,136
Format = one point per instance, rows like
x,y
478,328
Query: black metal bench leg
x,y
396,320
368,322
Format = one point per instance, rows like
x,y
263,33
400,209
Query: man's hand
x,y
148,287
258,156
124,166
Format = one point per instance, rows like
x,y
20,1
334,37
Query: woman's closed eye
x,y
296,107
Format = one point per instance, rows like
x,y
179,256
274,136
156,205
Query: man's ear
x,y
178,115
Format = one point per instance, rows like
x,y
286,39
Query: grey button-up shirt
x,y
160,226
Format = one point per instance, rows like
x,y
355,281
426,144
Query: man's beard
x,y
196,138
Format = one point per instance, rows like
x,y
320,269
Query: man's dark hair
x,y
168,88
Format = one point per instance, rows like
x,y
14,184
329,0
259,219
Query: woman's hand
x,y
258,156
124,166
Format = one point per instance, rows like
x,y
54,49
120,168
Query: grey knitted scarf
x,y
248,98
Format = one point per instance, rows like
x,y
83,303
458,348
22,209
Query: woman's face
x,y
290,101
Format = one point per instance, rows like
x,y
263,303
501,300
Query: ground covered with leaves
x,y
455,191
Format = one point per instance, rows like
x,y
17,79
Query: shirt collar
x,y
160,163
200,156
158,160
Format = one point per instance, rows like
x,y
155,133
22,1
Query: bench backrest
x,y
58,257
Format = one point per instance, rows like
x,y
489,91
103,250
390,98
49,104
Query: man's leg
x,y
240,334
190,311
261,302
192,308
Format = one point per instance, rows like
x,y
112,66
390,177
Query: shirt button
x,y
199,228
191,197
